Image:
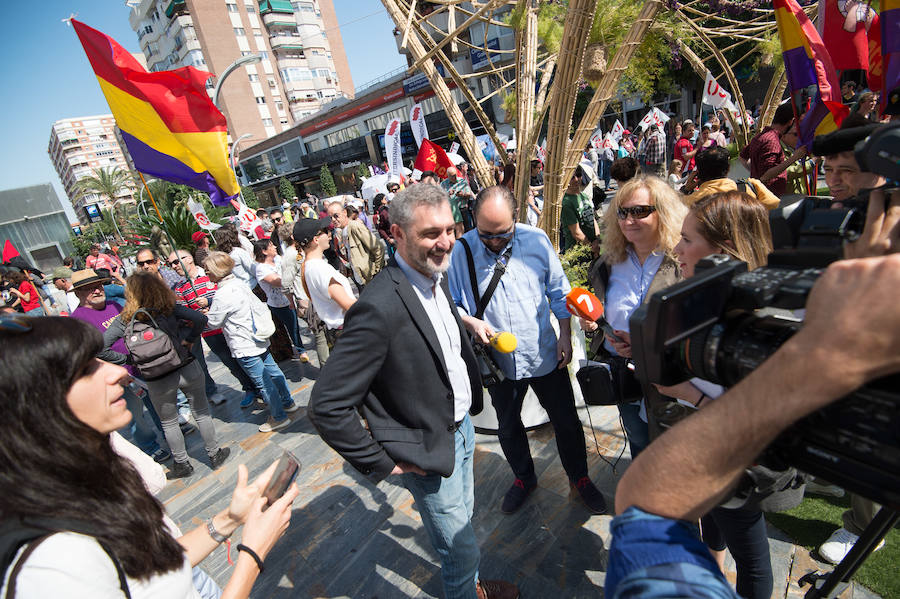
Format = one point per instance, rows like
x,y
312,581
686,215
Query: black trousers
x,y
554,391
743,531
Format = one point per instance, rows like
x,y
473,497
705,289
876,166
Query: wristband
x,y
700,401
251,553
215,534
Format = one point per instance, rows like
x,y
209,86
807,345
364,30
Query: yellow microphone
x,y
504,342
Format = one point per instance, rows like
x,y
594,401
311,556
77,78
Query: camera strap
x,y
482,301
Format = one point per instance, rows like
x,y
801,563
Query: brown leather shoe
x,y
496,589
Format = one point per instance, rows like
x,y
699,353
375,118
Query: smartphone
x,y
285,472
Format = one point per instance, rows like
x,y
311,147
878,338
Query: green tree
x,y
362,172
250,197
108,183
286,189
326,182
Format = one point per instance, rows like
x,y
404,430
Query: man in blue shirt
x,y
656,551
533,283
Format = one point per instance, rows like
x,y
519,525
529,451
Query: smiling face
x,y
640,232
96,397
844,177
427,243
692,247
92,295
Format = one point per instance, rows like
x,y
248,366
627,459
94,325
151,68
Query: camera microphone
x,y
584,304
504,342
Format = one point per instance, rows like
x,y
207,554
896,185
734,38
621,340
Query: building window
x,y
284,121
342,135
253,77
232,7
260,100
239,31
250,8
267,122
246,52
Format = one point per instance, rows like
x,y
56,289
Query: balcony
x,y
275,6
276,20
176,7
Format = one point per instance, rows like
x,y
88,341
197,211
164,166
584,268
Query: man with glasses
x,y
532,284
197,292
148,260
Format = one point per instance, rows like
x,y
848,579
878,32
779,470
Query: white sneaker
x,y
839,545
824,489
217,398
274,425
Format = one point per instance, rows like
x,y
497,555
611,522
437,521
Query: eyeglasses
x,y
173,263
506,235
15,323
277,219
146,262
636,212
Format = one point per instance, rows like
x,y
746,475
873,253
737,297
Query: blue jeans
x,y
446,505
604,173
142,430
289,319
269,381
636,429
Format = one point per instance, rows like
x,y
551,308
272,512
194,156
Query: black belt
x,y
454,427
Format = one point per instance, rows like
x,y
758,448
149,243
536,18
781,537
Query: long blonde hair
x,y
739,218
148,291
670,212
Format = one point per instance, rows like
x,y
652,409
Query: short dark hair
x,y
431,174
147,248
713,164
492,191
623,169
784,114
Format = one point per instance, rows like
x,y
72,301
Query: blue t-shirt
x,y
652,556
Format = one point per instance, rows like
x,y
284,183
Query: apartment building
x,y
78,146
303,64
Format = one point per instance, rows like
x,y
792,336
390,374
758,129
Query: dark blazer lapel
x,y
417,313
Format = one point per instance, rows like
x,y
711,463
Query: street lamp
x,y
240,62
141,197
234,152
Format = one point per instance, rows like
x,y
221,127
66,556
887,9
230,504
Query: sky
x,y
48,77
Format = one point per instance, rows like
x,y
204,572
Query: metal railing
x,y
374,82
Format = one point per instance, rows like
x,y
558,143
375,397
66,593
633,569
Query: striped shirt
x,y
187,295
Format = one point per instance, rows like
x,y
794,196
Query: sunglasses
x,y
146,262
277,219
636,212
506,235
173,263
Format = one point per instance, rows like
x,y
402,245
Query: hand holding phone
x,y
285,472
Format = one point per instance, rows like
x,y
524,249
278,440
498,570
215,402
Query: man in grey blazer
x,y
405,363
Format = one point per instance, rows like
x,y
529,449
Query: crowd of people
x,y
403,322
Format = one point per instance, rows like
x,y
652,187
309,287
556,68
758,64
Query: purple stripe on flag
x,y
152,162
890,31
799,68
806,130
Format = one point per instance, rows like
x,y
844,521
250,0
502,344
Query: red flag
x,y
431,157
845,27
9,251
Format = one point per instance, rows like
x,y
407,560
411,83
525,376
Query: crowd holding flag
x,y
171,128
432,157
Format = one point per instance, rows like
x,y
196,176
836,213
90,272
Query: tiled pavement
x,y
349,538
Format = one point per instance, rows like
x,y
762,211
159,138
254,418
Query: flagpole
x,y
162,226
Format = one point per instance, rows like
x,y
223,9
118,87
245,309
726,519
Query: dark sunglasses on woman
x,y
637,212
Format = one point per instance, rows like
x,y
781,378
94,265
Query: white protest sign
x,y
199,213
617,131
247,219
417,122
393,151
713,94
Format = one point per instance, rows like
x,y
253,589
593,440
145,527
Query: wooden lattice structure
x,y
546,82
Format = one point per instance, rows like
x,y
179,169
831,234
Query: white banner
x,y
654,117
609,142
597,139
247,219
393,151
417,122
713,94
199,213
454,147
617,131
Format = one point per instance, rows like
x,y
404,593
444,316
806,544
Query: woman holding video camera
x,y
642,225
98,532
736,224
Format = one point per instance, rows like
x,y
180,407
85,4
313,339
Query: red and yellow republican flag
x,y
431,157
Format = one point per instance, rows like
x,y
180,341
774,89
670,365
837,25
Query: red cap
x,y
626,132
196,237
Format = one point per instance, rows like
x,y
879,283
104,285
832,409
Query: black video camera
x,y
720,325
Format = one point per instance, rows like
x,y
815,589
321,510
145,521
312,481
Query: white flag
x,y
393,151
417,122
199,213
661,117
454,148
617,131
247,219
609,142
713,94
597,139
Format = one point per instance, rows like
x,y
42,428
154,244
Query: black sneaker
x,y
516,496
590,495
180,470
220,457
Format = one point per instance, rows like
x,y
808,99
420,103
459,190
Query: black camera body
x,y
708,327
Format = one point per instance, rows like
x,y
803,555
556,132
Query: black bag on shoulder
x,y
17,532
154,351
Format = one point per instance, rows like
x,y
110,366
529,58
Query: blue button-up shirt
x,y
534,284
440,313
629,282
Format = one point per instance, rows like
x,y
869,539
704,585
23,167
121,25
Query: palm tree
x,y
108,183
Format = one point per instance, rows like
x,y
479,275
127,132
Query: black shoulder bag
x,y
491,374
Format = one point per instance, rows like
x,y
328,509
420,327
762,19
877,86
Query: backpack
x,y
32,531
260,317
153,350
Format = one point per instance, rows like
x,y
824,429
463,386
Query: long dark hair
x,y
54,465
227,238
